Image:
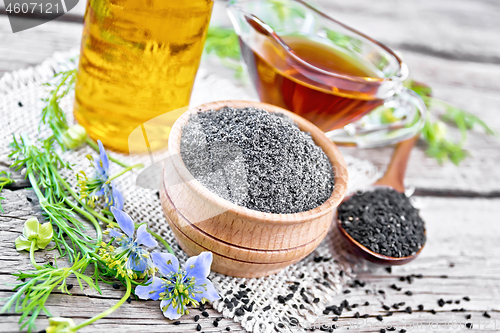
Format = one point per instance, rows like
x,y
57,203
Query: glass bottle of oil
x,y
138,60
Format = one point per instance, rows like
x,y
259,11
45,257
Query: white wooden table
x,y
452,45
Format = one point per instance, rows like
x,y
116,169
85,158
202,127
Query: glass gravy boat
x,y
302,60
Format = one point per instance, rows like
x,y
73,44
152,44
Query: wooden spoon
x,y
393,178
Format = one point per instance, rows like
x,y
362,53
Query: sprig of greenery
x,y
436,132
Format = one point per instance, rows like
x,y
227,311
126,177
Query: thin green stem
x,y
88,216
108,311
77,198
32,256
94,146
127,169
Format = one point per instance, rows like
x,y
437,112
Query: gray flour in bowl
x,y
256,159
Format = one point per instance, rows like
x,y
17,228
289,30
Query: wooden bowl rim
x,y
330,149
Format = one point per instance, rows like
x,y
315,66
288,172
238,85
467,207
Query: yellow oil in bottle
x,y
138,60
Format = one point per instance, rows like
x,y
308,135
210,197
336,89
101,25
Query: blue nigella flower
x,y
177,288
136,259
99,186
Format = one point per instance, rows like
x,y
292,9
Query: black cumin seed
x,y
380,318
228,328
335,318
420,307
382,330
385,307
301,306
266,308
433,311
381,291
409,310
23,279
216,323
457,301
229,292
317,259
280,325
449,301
402,279
198,327
366,315
196,318
444,276
466,298
402,330
392,328
20,104
390,313
29,199
158,194
249,318
468,325
468,316
301,276
441,302
486,315
281,299
316,300
389,269
243,286
367,303
347,291
116,286
69,286
395,287
129,300
401,303
239,312
204,314
245,300
176,323
409,293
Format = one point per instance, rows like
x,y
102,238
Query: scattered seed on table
x,y
441,302
401,303
452,264
239,312
486,315
228,328
366,315
69,286
385,307
466,298
380,318
392,328
198,327
409,310
347,291
204,314
468,316
281,325
116,286
402,330
316,300
402,279
395,287
395,306
457,301
196,318
381,291
389,269
335,318
216,323
29,199
176,323
390,313
444,276
420,307
20,104
367,303
382,330
129,300
468,325
409,293
433,311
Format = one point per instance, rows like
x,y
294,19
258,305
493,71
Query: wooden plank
x,y
462,232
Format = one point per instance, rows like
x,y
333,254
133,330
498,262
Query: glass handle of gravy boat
x,y
408,112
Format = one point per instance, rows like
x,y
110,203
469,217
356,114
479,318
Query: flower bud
x,y
74,136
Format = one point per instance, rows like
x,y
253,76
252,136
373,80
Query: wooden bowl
x,y
244,242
